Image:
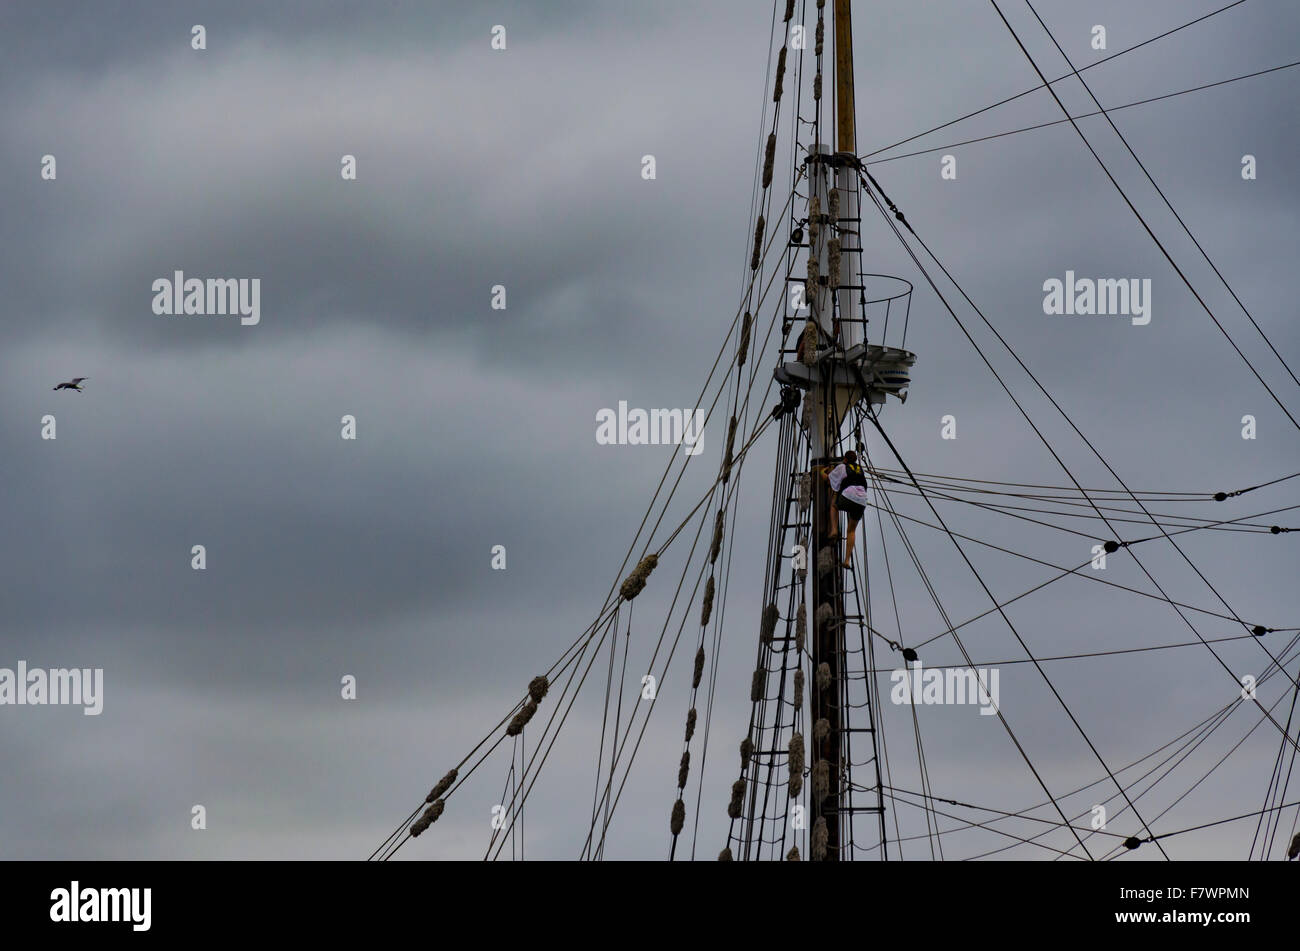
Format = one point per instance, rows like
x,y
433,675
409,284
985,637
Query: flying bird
x,y
74,385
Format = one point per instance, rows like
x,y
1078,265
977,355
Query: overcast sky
x,y
476,427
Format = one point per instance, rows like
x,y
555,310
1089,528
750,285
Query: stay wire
x,y
1082,115
1142,220
1034,89
1161,193
1043,439
1078,726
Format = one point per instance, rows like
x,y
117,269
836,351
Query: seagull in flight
x,y
75,384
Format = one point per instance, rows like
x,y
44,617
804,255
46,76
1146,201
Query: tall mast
x,y
838,372
830,403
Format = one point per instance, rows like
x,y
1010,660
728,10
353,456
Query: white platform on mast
x,y
881,370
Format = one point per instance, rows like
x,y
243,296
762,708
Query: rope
x,y
1141,220
1034,89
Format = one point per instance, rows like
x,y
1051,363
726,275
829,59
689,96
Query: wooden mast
x,y
828,585
845,134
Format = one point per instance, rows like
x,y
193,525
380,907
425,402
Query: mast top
x,y
846,136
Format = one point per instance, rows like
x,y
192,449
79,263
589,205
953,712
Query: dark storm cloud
x,y
476,427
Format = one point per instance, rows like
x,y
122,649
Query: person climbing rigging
x,y
849,484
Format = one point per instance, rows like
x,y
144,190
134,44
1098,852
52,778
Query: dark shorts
x,y
848,506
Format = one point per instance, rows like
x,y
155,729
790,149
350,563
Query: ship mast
x,y
829,404
840,374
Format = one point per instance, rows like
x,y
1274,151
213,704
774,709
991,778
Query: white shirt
x,y
854,493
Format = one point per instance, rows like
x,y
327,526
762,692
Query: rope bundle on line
x,y
780,75
800,627
820,837
746,751
809,346
821,776
805,481
725,855
757,684
824,613
768,158
796,764
789,10
823,674
833,266
635,582
521,718
699,667
684,769
716,546
758,243
825,563
768,629
793,854
691,717
430,816
745,329
817,49
737,799
707,610
442,786
679,817
798,688
821,729
537,688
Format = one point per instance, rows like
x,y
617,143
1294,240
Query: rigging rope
x,y
1142,220
1034,89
